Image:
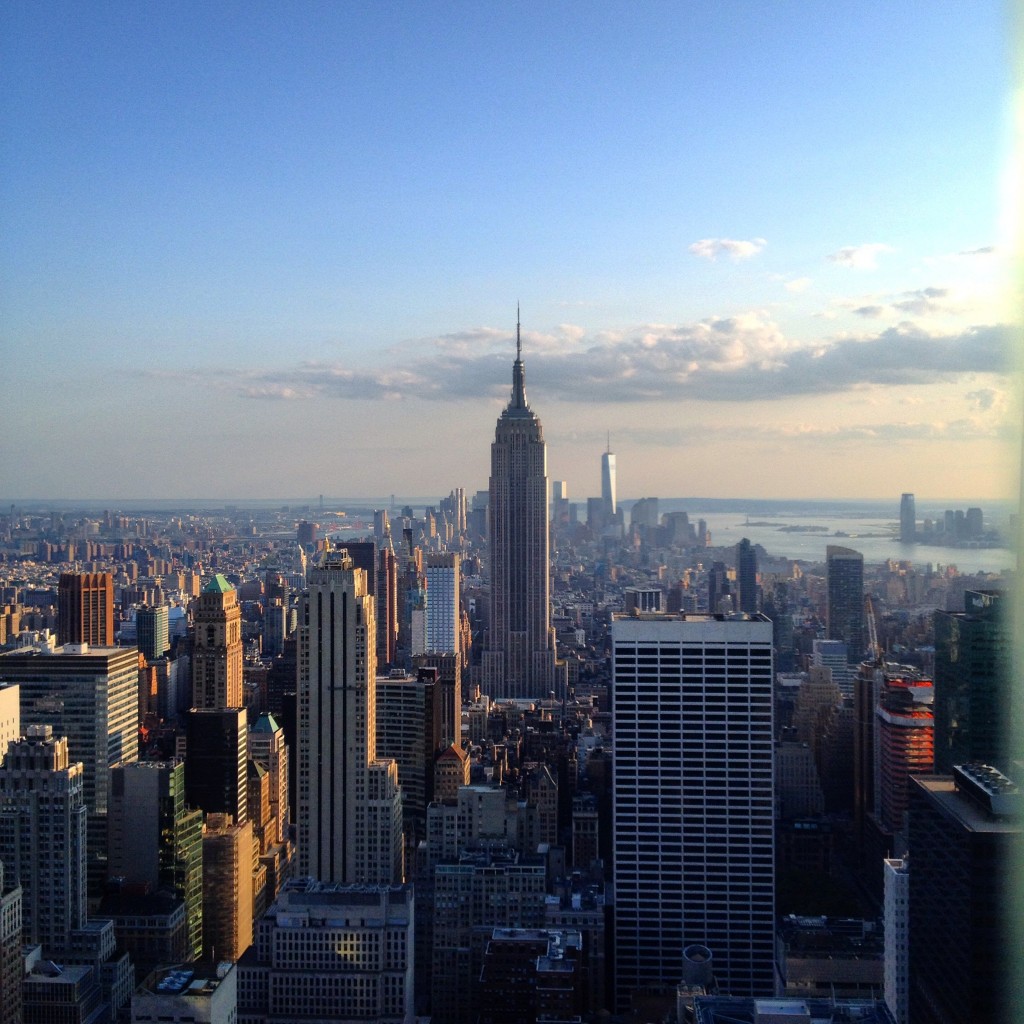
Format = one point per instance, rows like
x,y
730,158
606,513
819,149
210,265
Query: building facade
x,y
693,791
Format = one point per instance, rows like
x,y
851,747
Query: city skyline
x,y
223,229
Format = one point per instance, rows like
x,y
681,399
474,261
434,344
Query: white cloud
x,y
797,285
736,249
733,359
861,257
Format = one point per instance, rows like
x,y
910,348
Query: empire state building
x,y
519,658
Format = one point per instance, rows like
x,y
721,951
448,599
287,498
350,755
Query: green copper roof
x,y
266,723
218,585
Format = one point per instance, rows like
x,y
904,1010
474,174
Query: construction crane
x,y
869,617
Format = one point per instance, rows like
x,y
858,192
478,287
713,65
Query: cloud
x,y
712,248
984,250
988,400
798,284
921,301
861,257
869,311
728,359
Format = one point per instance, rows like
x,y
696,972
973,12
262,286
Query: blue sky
x,y
256,250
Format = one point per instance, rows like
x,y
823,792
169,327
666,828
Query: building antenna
x,y
519,342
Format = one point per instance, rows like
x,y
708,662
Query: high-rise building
x,y
156,840
965,838
43,837
844,613
11,962
905,731
443,592
349,802
473,895
91,696
519,657
973,697
409,733
896,872
217,647
267,745
608,483
10,715
216,759
151,631
746,577
85,608
331,952
227,887
693,820
908,519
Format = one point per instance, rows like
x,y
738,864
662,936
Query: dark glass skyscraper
x,y
845,599
973,702
908,519
519,658
746,576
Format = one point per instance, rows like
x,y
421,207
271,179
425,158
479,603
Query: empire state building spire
x,y
518,400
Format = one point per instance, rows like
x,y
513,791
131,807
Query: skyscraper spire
x,y
518,375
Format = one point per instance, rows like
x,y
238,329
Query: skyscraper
x,y
693,799
844,576
12,966
746,576
519,657
217,753
217,648
608,482
908,519
973,697
91,696
442,573
965,838
152,632
42,837
155,839
85,608
349,803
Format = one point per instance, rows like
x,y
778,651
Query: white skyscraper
x,y
608,482
350,812
897,938
442,612
693,799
